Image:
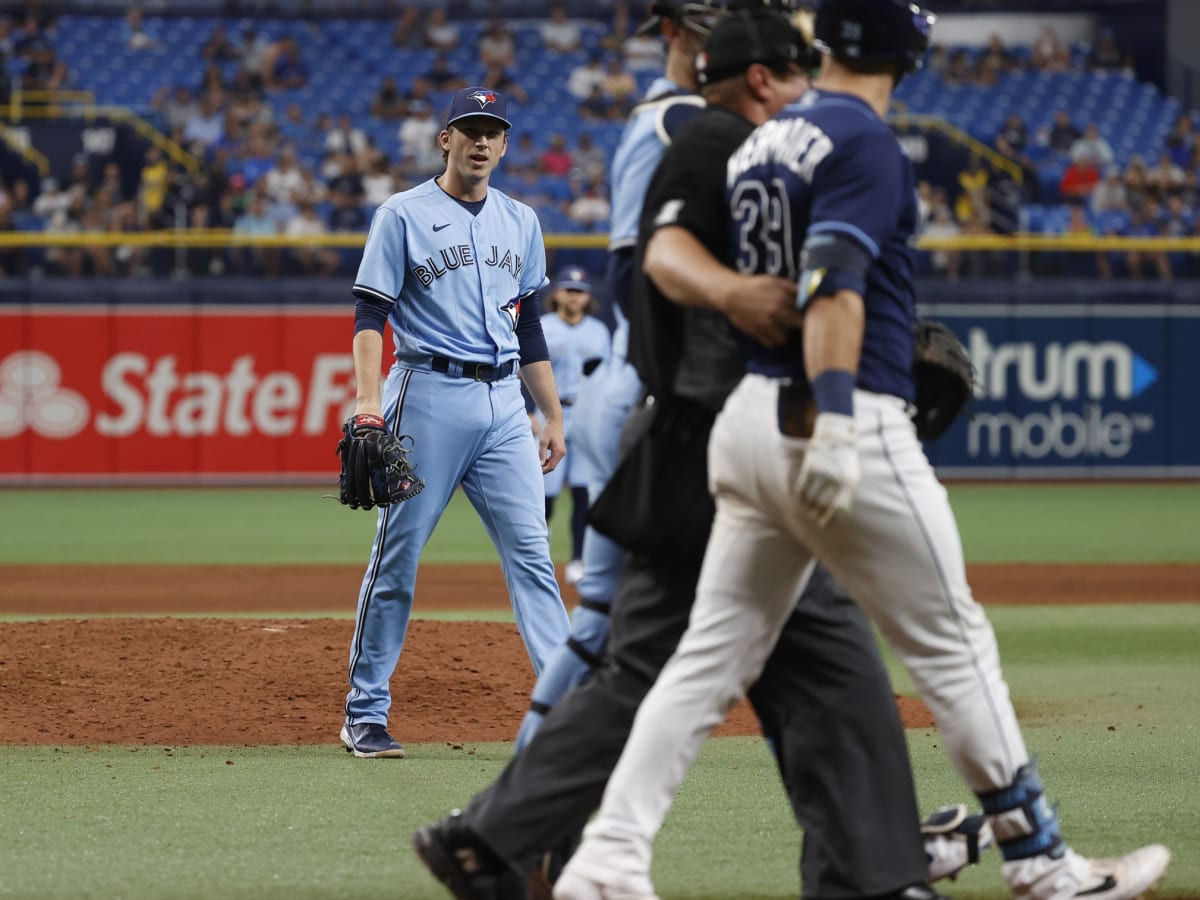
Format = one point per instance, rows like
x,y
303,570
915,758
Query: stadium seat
x,y
347,58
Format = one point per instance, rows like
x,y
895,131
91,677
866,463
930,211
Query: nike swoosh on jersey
x,y
440,227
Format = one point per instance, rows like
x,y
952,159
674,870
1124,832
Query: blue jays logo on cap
x,y
477,101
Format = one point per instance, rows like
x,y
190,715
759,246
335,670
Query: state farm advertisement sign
x,y
157,394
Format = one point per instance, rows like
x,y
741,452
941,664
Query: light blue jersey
x,y
664,109
572,345
453,274
435,260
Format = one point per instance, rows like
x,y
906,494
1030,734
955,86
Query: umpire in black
x,y
824,699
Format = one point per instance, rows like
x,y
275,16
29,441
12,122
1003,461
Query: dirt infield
x,y
178,681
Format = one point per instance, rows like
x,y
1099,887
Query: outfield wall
x,y
231,381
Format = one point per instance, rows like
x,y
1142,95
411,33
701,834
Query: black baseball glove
x,y
375,466
944,376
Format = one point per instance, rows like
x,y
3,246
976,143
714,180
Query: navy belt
x,y
473,371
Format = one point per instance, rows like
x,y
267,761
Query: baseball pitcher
x,y
455,267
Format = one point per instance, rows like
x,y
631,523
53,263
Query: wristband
x,y
369,420
833,391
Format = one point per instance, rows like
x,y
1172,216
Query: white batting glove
x,y
830,474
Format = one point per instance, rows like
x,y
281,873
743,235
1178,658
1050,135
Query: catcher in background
x,y
455,267
578,342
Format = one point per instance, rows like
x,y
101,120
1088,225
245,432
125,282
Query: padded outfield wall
x,y
247,381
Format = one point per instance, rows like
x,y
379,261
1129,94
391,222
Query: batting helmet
x,y
874,31
702,15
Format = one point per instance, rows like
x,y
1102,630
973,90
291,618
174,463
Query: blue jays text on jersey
x,y
827,170
435,259
450,258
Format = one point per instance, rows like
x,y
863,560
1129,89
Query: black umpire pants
x,y
824,700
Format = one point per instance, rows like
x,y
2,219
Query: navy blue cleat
x,y
370,740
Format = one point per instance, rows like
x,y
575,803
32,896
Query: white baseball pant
x,y
897,551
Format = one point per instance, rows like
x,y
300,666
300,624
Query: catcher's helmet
x,y
702,15
883,31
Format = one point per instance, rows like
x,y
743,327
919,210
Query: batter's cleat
x,y
953,840
575,886
604,869
915,892
370,740
1068,875
457,858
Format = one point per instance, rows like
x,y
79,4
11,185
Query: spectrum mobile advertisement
x,y
1073,391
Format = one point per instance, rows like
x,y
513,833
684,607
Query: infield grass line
x,y
247,526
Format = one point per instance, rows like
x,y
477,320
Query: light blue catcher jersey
x,y
665,108
570,346
455,279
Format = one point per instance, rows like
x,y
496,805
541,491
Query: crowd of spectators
x,y
272,166
961,66
252,178
1145,198
1095,193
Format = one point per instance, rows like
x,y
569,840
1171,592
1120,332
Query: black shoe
x,y
458,859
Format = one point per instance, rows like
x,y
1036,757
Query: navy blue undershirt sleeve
x,y
370,312
529,331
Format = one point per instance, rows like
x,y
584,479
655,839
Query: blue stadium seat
x,y
348,57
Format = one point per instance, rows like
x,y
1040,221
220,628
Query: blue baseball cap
x,y
477,101
573,278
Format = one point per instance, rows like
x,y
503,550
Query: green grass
x,y
999,523
315,823
1109,698
1126,666
1079,522
221,526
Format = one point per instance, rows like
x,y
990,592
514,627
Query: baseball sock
x,y
579,508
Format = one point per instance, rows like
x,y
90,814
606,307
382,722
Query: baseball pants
x,y
897,550
487,448
824,701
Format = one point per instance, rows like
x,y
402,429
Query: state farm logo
x,y
135,393
32,397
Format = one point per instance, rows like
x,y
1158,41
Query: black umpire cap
x,y
737,42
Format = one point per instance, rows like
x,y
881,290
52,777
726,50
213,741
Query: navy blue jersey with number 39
x,y
828,168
